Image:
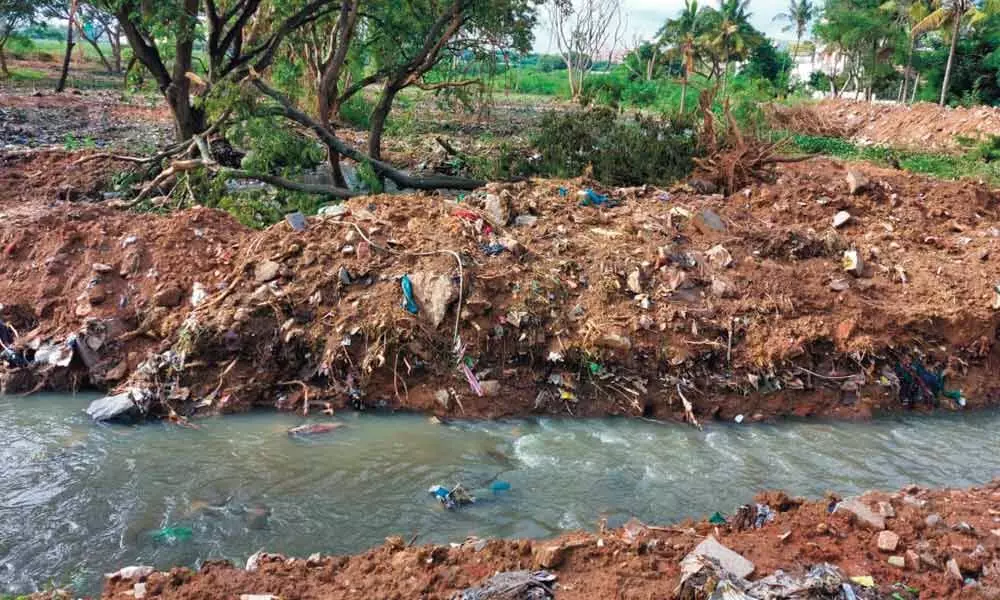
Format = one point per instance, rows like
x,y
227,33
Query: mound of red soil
x,y
921,126
944,543
740,304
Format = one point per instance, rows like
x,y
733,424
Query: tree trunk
x,y
573,95
379,116
916,83
116,47
909,67
951,58
3,62
684,89
326,110
69,48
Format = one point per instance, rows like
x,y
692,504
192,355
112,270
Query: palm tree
x,y
734,34
909,14
949,15
682,34
800,13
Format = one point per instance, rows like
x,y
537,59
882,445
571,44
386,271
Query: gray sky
x,y
646,16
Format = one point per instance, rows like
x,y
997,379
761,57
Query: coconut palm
x,y
798,16
908,13
683,36
949,16
734,35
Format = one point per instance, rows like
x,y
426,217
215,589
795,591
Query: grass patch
x,y
27,75
973,164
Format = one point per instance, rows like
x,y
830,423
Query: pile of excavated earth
x,y
904,546
835,289
921,126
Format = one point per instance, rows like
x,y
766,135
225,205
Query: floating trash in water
x,y
172,535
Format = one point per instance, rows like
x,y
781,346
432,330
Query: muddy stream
x,y
78,499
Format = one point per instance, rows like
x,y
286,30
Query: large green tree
x,y
239,37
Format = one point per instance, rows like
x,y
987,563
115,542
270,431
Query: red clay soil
x,y
589,311
921,126
948,542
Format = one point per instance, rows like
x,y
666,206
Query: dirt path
x,y
741,305
946,542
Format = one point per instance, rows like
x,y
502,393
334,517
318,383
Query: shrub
x,y
621,151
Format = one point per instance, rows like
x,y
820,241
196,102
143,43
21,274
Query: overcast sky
x,y
646,16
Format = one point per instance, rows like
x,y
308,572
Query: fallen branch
x,y
381,168
688,409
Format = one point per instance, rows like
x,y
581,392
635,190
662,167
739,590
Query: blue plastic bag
x,y
408,302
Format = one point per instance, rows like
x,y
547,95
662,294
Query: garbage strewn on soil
x,y
517,299
944,545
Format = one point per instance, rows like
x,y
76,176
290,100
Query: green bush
x,y
622,151
274,148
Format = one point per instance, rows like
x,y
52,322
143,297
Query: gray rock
x,y
856,182
888,541
933,520
730,561
332,210
134,572
112,407
865,515
497,209
525,220
434,293
266,271
708,221
840,219
297,220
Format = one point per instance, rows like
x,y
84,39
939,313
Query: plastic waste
x,y
493,249
717,518
533,585
408,302
591,198
453,498
170,535
500,486
563,192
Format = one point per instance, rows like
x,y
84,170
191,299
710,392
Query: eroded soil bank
x,y
529,298
912,544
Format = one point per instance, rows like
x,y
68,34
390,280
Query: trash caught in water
x,y
172,535
456,497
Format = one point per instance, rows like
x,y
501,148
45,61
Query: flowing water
x,y
79,499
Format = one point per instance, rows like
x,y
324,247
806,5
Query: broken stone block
x,y
435,293
840,219
897,561
856,182
730,561
708,221
169,297
266,271
865,516
548,557
719,257
497,209
888,541
853,263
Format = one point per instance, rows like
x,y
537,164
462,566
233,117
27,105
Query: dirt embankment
x,y
921,126
912,544
739,305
